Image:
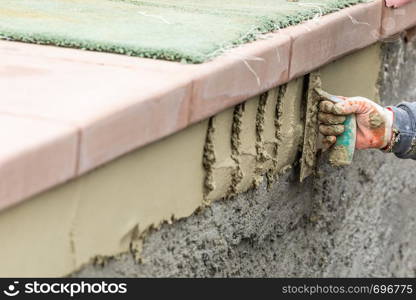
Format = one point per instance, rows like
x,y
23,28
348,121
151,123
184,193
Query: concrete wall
x,y
355,221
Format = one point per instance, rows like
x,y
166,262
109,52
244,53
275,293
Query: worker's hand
x,y
374,122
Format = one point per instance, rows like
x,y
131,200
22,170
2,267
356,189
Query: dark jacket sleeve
x,y
404,128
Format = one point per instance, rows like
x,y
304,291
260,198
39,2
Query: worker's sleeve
x,y
404,128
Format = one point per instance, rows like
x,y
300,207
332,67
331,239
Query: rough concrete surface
x,y
354,221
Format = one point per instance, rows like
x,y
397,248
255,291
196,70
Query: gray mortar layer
x,y
356,221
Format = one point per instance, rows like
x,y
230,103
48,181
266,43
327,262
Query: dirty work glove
x,y
374,122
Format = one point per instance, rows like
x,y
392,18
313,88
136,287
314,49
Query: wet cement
x,y
354,221
310,140
338,156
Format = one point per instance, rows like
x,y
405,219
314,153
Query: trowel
x,y
342,153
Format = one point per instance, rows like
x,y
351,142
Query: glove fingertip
x,y
339,109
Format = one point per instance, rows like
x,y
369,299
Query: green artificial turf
x,y
192,31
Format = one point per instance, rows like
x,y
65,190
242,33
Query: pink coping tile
x,y
398,19
239,74
320,41
87,57
397,3
35,154
117,109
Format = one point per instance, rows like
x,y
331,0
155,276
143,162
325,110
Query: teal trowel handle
x,y
343,151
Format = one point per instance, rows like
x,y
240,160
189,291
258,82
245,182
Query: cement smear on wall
x,y
362,73
110,210
257,138
105,212
327,226
354,221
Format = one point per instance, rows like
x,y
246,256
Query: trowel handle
x,y
347,141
